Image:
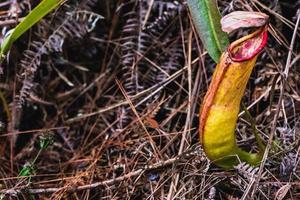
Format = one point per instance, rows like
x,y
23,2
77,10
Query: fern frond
x,y
76,24
246,170
162,6
173,62
138,44
288,164
167,12
25,91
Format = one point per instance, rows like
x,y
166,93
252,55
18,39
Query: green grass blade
x,y
206,18
32,18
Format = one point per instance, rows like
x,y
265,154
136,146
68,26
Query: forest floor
x,y
108,108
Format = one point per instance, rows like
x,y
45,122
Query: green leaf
x,y
32,18
27,170
45,141
206,18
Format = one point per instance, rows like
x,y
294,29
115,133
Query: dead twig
x,y
9,22
139,172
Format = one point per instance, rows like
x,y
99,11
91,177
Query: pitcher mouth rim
x,y
262,34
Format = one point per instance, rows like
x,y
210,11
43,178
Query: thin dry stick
x,y
10,22
109,182
266,92
38,131
187,126
139,119
148,13
255,181
102,110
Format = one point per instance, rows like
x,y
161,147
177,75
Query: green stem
x,y
252,121
251,158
